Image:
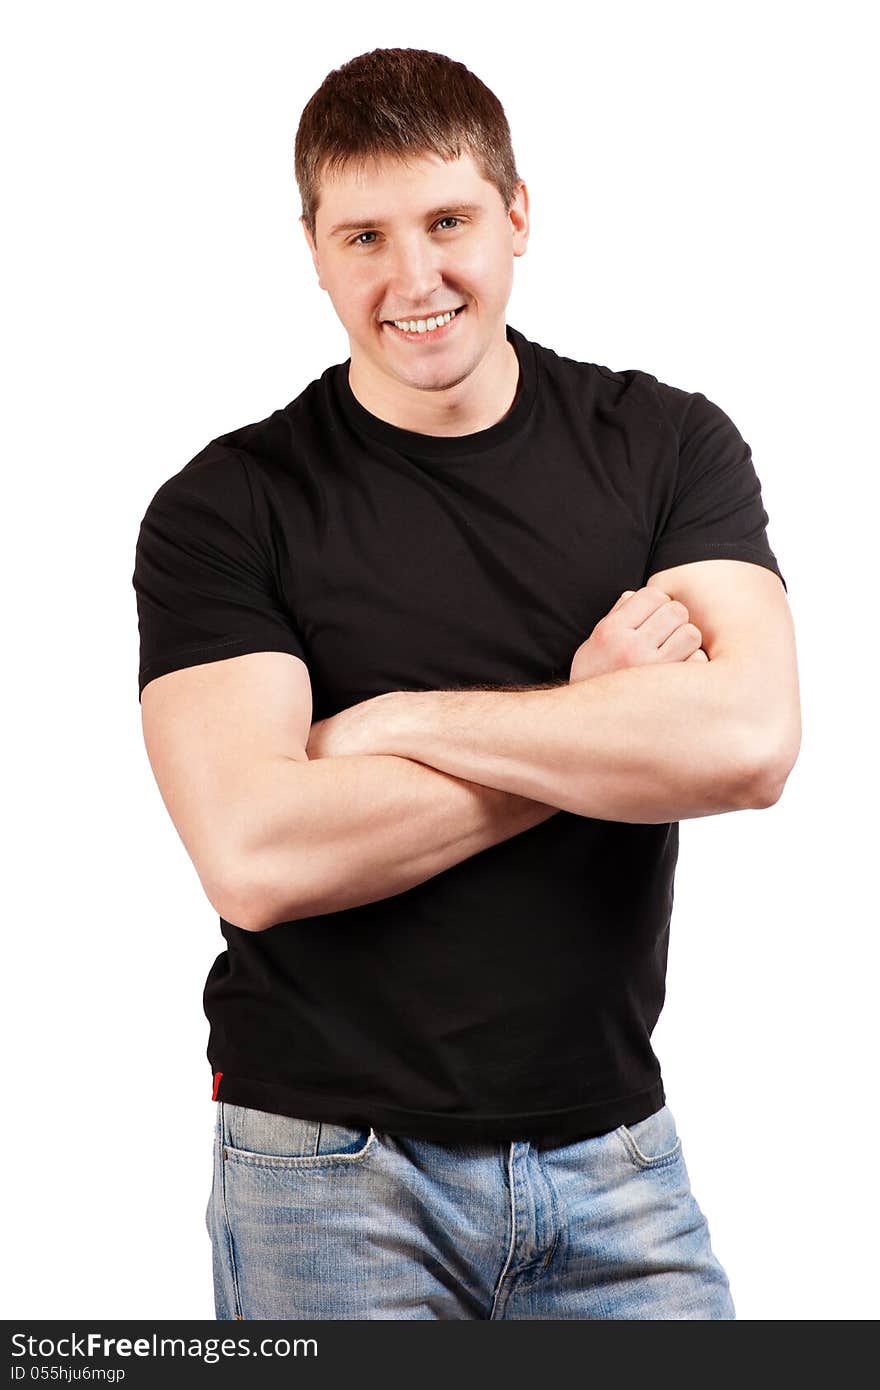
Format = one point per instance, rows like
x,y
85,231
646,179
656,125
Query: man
x,y
433,661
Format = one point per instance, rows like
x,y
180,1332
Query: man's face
x,y
416,240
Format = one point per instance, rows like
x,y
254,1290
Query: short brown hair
x,y
403,103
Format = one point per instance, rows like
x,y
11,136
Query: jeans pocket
x,y
652,1142
261,1138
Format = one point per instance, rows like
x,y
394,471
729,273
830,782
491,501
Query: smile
x,y
424,330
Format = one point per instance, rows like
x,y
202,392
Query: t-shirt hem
x,y
550,1126
685,553
202,653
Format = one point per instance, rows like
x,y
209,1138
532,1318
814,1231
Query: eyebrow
x,y
369,223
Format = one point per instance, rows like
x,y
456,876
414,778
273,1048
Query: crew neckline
x,y
446,446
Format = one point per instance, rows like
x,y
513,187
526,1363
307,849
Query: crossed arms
x,y
409,783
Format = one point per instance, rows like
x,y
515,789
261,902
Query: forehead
x,y
381,189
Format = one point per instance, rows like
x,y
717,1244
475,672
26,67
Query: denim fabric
x,y
318,1221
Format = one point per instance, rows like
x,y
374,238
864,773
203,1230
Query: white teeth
x,y
424,325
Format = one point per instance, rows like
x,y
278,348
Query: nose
x,y
415,273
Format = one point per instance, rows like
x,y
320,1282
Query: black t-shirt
x,y
514,994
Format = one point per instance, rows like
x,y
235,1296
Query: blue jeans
x,y
311,1220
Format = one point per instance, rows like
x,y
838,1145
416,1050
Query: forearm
x,y
335,832
647,744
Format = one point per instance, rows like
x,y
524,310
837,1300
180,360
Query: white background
x,y
700,180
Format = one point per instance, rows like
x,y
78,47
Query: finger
x,y
682,643
698,655
666,620
627,593
641,604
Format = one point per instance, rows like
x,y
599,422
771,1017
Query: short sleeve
x,y
715,510
203,574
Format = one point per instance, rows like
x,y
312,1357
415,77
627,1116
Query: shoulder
x,y
292,433
631,391
216,478
228,469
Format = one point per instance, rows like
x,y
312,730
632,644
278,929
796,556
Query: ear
x,y
313,249
519,219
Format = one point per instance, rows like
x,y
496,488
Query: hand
x,y
351,731
644,627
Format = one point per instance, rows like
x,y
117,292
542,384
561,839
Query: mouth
x,y
421,333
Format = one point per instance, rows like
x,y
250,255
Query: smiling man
x,y
433,661
422,290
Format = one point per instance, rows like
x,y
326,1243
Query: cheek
x,y
486,269
351,295
367,293
356,310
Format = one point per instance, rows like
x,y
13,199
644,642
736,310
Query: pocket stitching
x,y
642,1160
256,1160
227,1226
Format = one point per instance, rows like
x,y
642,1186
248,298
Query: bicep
x,y
209,729
743,613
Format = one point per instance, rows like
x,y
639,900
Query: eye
x,y
356,241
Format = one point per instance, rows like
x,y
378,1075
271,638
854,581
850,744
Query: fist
x,y
644,627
